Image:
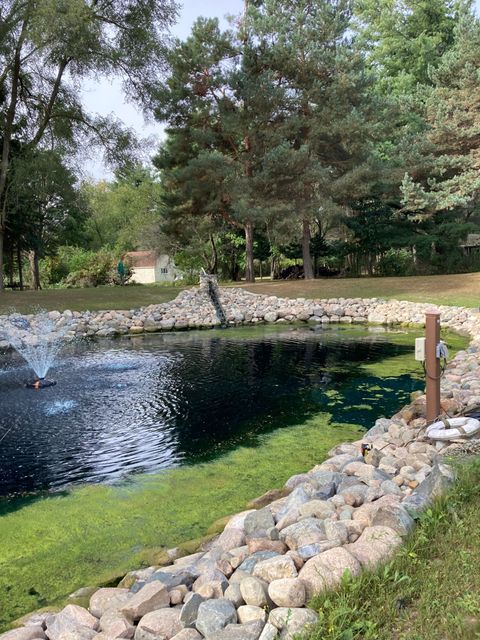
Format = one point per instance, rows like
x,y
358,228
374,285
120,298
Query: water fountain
x,y
38,338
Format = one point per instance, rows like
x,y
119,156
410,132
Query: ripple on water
x,y
155,402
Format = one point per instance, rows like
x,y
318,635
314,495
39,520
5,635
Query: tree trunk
x,y
11,267
307,256
1,258
214,254
20,268
249,270
34,269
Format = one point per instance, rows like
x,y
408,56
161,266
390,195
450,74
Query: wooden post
x,y
432,364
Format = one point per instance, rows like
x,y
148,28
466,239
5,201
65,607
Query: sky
x,y
106,97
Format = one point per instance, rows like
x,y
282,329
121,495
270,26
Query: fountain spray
x,y
38,338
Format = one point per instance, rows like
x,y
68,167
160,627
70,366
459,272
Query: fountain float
x,y
37,338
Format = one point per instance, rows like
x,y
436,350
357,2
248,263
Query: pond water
x,y
148,403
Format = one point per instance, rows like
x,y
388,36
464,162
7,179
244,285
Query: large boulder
x,y
152,596
438,481
306,532
25,633
108,598
375,545
189,611
396,517
275,569
254,592
326,570
287,592
214,615
249,631
290,622
164,624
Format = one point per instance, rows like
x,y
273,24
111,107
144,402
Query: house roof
x,y
473,240
141,258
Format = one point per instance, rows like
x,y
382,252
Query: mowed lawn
x,y
94,299
461,289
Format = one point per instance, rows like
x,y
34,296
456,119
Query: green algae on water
x,y
91,535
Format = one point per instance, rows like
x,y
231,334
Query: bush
x,y
98,269
395,262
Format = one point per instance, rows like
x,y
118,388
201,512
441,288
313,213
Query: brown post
x,y
432,364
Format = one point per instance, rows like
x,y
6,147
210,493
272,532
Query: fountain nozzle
x,y
41,383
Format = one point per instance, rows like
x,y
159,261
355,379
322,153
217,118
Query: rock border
x,y
254,580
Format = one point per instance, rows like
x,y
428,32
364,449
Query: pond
x,y
145,441
154,402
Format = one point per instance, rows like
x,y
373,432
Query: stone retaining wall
x,y
254,580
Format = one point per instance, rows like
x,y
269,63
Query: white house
x,y
148,267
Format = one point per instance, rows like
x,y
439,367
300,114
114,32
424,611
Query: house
x,y
149,266
471,244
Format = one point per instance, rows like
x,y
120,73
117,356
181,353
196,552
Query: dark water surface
x,y
151,402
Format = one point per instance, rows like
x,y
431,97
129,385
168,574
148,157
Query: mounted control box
x,y
420,349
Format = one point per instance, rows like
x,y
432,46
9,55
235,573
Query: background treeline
x,y
312,137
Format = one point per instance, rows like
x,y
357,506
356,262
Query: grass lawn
x,y
429,591
93,299
459,289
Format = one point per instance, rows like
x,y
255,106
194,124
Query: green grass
x,y
94,299
458,289
429,591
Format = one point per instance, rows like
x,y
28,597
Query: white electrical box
x,y
420,349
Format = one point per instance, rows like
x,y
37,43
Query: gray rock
x,y
374,546
163,624
187,634
214,579
275,569
291,621
306,532
254,592
61,627
106,599
310,550
234,594
186,576
25,633
326,570
189,611
269,632
248,565
249,613
249,631
287,592
396,517
214,615
152,596
258,523
298,497
440,480
381,426
116,625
